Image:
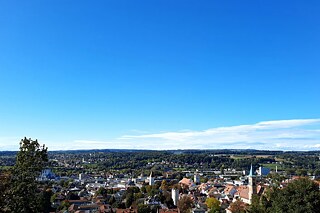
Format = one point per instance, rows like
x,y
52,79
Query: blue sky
x,y
125,74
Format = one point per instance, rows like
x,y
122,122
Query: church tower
x,y
252,184
151,179
175,196
196,178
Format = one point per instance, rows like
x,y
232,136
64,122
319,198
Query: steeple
x,y
151,179
252,184
251,172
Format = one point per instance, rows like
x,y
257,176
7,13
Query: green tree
x,y
101,191
112,200
138,196
143,189
316,172
23,195
300,196
142,208
257,206
129,200
64,205
302,172
45,200
213,204
4,186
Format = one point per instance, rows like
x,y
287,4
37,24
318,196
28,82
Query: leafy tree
x,y
164,185
53,197
185,204
129,199
133,189
118,205
143,189
72,196
101,191
301,195
23,195
138,196
302,172
290,171
45,201
238,207
112,200
64,205
166,198
213,204
257,206
142,208
4,186
317,172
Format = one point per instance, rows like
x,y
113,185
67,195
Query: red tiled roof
x,y
243,192
186,181
228,188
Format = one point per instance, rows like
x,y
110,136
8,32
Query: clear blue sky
x,y
99,70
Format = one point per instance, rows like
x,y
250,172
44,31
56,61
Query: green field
x,y
272,166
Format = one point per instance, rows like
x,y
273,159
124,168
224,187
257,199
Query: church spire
x,y
251,171
252,184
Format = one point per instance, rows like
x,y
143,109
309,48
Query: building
x,y
175,196
252,184
151,179
263,171
196,178
47,174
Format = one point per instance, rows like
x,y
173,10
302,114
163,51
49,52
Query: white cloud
x,y
297,134
280,134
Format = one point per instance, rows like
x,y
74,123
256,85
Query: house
x,y
230,190
186,183
242,194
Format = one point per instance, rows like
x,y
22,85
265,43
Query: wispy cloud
x,y
280,134
297,134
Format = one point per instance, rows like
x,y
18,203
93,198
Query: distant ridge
x,y
177,151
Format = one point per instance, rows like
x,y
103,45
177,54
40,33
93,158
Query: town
x,y
197,181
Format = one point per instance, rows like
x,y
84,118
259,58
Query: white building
x,y
196,178
151,179
175,196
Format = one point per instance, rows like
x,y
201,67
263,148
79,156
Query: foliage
x,y
112,200
300,196
72,196
129,199
166,198
238,207
164,185
64,205
101,191
185,204
45,200
213,204
142,208
23,194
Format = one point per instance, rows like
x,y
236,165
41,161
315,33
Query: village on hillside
x,y
75,182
